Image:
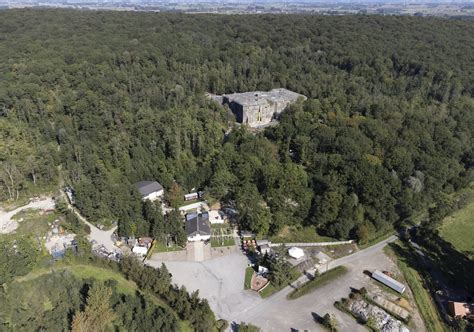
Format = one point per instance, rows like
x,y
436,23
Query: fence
x,y
311,244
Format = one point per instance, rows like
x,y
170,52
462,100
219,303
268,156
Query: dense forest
x,y
63,301
115,98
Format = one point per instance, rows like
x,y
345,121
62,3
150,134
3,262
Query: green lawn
x,y
299,234
228,241
161,247
248,277
267,291
458,228
317,282
424,301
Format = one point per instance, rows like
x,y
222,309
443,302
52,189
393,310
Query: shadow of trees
x,y
456,268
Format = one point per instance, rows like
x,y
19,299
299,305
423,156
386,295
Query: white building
x,y
191,196
150,190
296,252
140,251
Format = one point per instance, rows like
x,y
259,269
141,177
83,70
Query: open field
x,y
423,299
317,282
458,228
87,271
32,223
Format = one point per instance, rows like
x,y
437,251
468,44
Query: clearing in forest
x,y
458,228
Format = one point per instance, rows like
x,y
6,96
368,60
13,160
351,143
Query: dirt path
x,y
8,225
101,237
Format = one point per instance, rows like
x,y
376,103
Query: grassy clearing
x,y
272,289
458,228
423,299
299,234
124,286
317,282
32,223
248,277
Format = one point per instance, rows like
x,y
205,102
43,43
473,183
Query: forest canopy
x,y
119,97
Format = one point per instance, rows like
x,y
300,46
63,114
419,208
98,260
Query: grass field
x,y
423,299
317,282
458,228
248,277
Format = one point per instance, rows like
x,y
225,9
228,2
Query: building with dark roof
x,y
198,227
150,190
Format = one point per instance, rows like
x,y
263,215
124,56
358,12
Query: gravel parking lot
x,y
221,280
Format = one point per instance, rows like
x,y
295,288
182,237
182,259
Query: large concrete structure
x,y
259,108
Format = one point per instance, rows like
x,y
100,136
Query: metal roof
x,y
198,223
147,187
388,281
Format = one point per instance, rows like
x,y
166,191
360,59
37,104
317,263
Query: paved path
x,y
7,225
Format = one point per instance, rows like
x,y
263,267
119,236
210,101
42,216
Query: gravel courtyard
x,y
221,280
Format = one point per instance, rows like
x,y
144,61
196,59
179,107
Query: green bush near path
x,y
317,282
272,288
